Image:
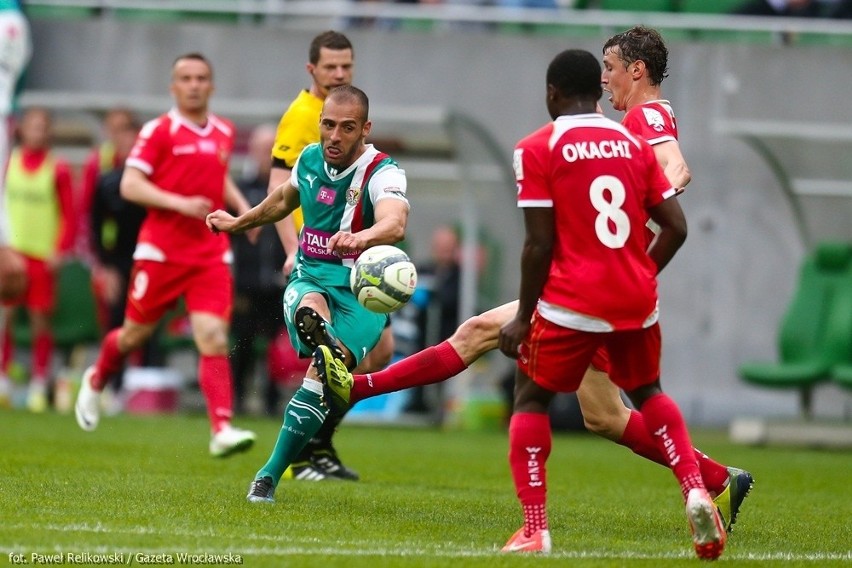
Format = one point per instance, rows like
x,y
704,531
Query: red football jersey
x,y
181,157
654,121
600,180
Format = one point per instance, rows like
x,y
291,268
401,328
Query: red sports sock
x,y
529,448
432,365
109,361
637,438
42,353
666,426
8,349
214,376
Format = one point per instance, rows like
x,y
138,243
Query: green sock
x,y
303,417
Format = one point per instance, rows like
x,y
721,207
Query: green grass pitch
x,y
145,486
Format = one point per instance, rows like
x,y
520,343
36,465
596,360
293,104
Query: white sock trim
x,y
312,385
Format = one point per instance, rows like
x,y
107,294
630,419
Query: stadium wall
x,y
722,297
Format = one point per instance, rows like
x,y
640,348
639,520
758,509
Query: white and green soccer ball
x,y
383,279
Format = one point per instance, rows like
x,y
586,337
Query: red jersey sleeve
x,y
653,121
530,163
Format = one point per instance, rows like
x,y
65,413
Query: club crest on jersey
x,y
353,194
654,118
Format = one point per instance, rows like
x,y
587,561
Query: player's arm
x,y
286,228
389,228
275,207
673,163
672,222
536,255
136,187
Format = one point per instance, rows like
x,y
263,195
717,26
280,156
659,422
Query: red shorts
x,y
556,358
40,293
155,287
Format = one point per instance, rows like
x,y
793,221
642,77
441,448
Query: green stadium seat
x,y
816,331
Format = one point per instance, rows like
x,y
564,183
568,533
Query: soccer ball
x,y
383,279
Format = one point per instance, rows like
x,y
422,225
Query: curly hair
x,y
642,44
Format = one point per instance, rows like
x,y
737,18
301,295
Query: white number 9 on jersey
x,y
611,215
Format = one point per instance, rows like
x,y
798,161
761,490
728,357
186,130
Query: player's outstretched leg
x,y
605,414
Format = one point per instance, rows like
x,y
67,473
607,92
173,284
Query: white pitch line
x,y
366,548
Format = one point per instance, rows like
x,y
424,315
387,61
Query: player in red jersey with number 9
x,y
178,170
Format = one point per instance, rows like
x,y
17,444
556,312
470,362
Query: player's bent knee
x,y
603,425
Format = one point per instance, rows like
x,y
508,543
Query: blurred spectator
x,y
15,50
792,8
842,10
104,158
439,317
526,3
113,227
259,284
39,205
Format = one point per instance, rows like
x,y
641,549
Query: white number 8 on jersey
x,y
611,213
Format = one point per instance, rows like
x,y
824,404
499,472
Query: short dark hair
x,y
329,39
350,93
640,43
576,73
197,57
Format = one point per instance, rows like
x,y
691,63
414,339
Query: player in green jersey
x,y
352,197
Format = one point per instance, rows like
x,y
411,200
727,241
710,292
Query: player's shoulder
x,y
656,114
305,105
161,123
221,124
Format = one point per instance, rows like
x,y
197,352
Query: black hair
x,y
576,73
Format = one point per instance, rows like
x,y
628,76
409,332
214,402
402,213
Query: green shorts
x,y
356,327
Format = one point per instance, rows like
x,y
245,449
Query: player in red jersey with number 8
x,y
587,186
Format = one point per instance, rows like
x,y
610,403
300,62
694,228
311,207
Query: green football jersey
x,y
335,201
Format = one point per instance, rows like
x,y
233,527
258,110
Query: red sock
x,y
432,365
109,361
666,426
214,376
8,349
529,448
42,353
637,438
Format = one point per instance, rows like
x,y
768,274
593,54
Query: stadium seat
x,y
816,332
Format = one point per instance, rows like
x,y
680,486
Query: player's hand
x,y
342,244
221,221
195,206
13,274
511,335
